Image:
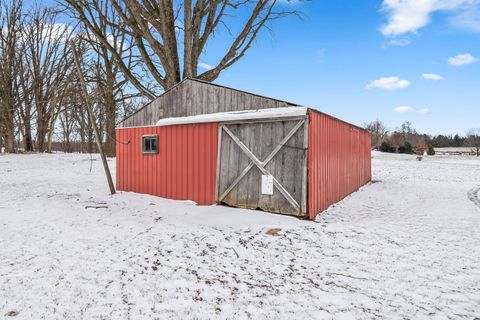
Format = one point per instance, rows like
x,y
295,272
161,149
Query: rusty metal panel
x,y
339,161
183,169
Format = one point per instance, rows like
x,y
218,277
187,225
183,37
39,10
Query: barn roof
x,y
237,116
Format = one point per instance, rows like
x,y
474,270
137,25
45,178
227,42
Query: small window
x,y
150,144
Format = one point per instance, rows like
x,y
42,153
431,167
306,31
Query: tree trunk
x,y
9,132
10,139
28,135
49,141
82,138
51,131
67,147
110,116
89,136
41,132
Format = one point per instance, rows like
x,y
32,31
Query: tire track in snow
x,y
473,195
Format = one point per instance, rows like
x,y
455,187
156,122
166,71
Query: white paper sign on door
x,y
267,184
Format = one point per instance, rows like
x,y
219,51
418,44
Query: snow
x,y
455,149
404,247
236,116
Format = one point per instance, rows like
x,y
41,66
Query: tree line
x,y
40,93
130,52
406,138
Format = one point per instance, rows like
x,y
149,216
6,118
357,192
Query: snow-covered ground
x,y
456,149
404,247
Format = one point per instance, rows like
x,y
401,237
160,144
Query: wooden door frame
x,y
301,207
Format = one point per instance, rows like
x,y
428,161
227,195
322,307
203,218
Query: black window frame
x,y
149,137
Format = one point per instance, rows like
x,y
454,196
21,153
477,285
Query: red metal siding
x,y
339,161
183,169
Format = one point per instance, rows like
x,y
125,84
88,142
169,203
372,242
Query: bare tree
x,y
378,131
11,22
25,108
75,105
50,64
111,84
169,33
71,117
473,140
67,122
133,49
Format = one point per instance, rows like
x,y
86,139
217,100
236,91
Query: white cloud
x,y
398,42
462,59
406,16
91,37
205,66
388,83
432,76
468,17
403,109
424,111
56,32
408,109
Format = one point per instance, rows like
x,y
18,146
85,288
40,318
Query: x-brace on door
x,y
263,165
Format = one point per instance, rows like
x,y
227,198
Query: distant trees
x,y
40,96
403,140
407,147
49,64
385,146
35,75
473,140
431,150
444,141
111,83
130,52
378,131
406,139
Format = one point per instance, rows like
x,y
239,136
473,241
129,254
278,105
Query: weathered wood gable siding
x,y
192,97
288,166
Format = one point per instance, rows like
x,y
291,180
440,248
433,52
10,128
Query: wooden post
x,y
92,120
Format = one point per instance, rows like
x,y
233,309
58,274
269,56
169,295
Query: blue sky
x,y
335,58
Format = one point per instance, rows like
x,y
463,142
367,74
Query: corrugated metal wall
x,y
184,168
339,161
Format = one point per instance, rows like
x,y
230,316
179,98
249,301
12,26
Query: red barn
x,y
211,144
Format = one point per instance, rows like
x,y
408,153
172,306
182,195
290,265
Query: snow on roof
x,y
236,116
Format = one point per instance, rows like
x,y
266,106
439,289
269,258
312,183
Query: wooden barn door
x,y
263,165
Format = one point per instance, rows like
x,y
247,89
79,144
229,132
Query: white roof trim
x,y
236,116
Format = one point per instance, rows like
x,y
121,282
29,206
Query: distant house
x,y
213,144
